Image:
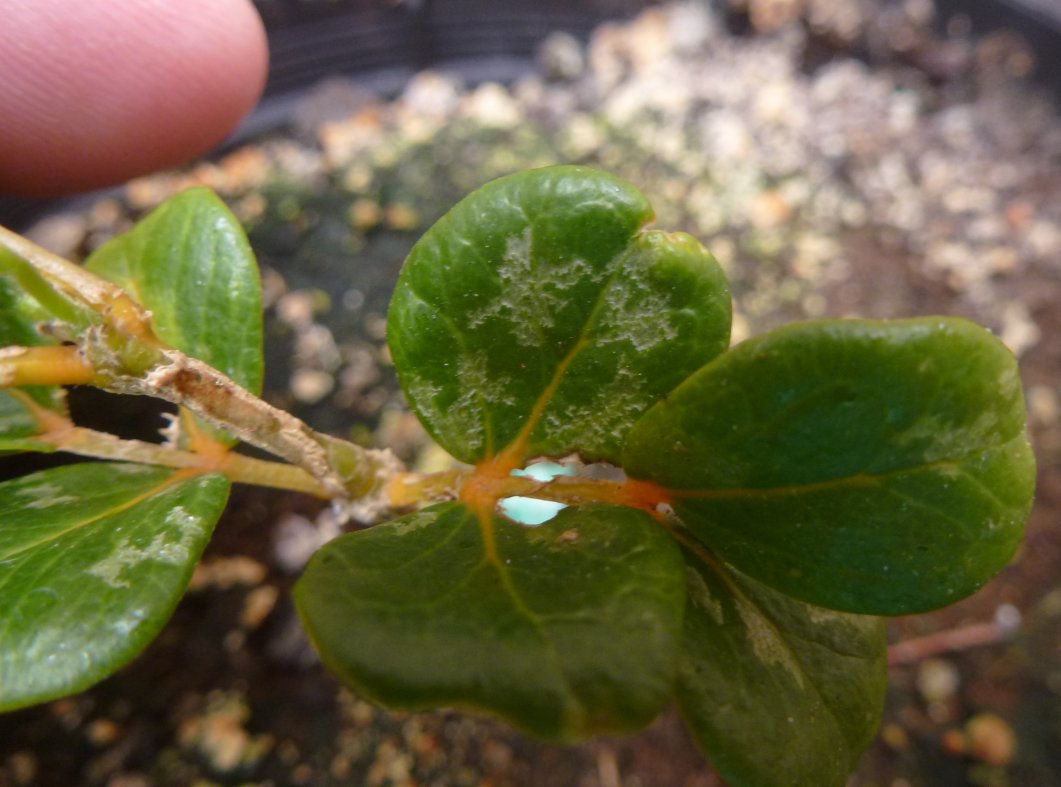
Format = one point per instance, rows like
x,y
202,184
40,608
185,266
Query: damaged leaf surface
x,y
538,310
762,672
93,559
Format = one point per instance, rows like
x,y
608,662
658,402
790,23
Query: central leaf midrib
x,y
859,479
523,437
537,622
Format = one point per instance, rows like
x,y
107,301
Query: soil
x,y
231,693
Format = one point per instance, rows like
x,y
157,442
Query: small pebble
x,y
309,386
23,767
219,735
60,233
937,680
399,216
560,57
1044,405
101,732
227,572
990,739
296,539
257,606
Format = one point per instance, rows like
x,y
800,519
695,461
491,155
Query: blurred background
x,y
839,157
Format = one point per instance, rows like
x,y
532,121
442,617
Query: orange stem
x,y
481,487
47,365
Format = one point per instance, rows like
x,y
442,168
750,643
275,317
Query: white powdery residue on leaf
x,y
986,424
635,311
168,547
12,421
460,421
766,641
114,565
943,438
464,419
413,522
178,516
35,491
53,501
948,469
481,391
1008,382
176,552
128,623
821,616
701,598
422,391
532,294
132,469
44,496
474,373
601,423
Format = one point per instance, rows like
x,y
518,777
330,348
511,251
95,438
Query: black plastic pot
x,y
1038,21
375,38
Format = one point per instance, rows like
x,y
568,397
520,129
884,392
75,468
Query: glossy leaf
x,y
18,312
538,304
190,264
878,467
566,630
93,559
29,297
18,315
17,427
777,693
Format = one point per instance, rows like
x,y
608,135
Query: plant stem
x,y
47,365
236,467
911,651
51,281
483,487
115,340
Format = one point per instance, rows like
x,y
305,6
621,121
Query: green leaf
x,y
18,313
777,693
190,264
537,304
28,297
878,467
93,559
566,630
17,427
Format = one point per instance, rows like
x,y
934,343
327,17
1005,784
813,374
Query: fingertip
x,y
94,95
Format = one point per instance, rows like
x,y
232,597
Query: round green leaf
x,y
537,311
777,693
566,630
878,467
93,559
190,264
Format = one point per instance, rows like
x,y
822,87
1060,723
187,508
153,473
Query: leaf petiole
x,y
206,456
44,365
